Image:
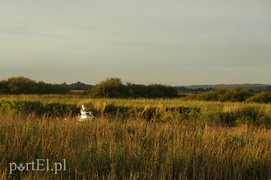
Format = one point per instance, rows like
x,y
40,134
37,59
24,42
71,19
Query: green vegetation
x,y
159,110
114,88
256,88
23,85
110,88
224,94
263,97
231,95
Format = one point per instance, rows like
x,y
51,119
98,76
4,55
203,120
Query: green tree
x,y
137,91
3,87
110,88
113,88
20,85
23,85
160,91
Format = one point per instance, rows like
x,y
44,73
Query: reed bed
x,y
136,138
134,149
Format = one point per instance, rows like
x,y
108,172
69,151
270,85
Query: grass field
x,y
137,139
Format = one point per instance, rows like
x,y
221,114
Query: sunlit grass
x,y
135,149
223,140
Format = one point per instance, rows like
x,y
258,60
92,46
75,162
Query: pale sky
x,y
173,42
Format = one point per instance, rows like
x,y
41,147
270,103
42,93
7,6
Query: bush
x,y
225,118
224,94
36,107
235,95
263,97
110,88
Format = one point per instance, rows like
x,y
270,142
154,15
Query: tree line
x,y
23,85
114,88
109,88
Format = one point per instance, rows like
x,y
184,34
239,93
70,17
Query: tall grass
x,y
134,149
182,140
220,113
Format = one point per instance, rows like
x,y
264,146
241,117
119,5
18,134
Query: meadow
x,y
136,138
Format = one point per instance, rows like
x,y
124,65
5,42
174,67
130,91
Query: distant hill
x,y
251,87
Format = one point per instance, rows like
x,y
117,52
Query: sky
x,y
173,42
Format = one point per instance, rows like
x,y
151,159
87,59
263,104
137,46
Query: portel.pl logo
x,y
38,165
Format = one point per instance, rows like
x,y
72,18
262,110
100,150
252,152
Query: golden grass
x,y
118,147
134,149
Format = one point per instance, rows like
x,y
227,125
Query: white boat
x,y
85,115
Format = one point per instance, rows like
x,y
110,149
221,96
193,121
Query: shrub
x,y
226,118
235,95
224,94
263,97
110,88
